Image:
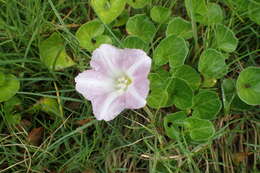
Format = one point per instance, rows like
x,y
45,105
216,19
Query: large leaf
x,y
172,123
179,27
212,64
90,35
8,87
225,38
206,105
248,85
200,130
53,53
108,10
189,75
160,14
141,26
172,49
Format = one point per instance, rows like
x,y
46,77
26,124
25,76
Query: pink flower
x,y
117,81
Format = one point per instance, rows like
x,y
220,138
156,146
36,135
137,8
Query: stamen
x,y
122,83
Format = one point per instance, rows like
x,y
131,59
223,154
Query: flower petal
x,y
108,106
91,84
105,59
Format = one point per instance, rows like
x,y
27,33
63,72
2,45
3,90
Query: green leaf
x,y
172,49
160,14
225,38
13,119
108,10
199,129
2,78
53,53
248,85
9,88
138,3
49,106
238,105
10,104
141,26
189,75
172,123
206,105
228,93
212,64
254,11
134,42
179,27
214,15
90,35
180,94
208,82
158,98
122,19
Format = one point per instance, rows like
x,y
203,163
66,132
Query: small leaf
x,y
138,3
90,35
10,104
108,10
160,14
9,88
199,129
248,85
134,42
180,94
158,98
141,26
254,11
189,75
206,105
212,64
172,123
53,53
35,136
213,15
49,106
172,49
13,119
225,38
180,27
228,93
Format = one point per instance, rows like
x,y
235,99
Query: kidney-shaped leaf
x,y
200,130
172,49
108,10
53,53
212,64
225,38
206,105
158,98
248,85
90,35
141,26
180,27
8,87
135,43
160,14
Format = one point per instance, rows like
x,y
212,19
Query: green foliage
x,y
160,14
200,130
138,3
90,35
172,49
135,43
172,122
206,105
158,98
225,38
53,54
9,86
212,64
179,27
228,93
248,85
122,19
189,75
108,10
254,11
141,26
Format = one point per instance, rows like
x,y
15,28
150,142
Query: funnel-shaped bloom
x,y
117,81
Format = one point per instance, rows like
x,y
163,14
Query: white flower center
x,y
122,83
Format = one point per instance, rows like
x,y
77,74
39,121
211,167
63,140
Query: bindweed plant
x,y
187,66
